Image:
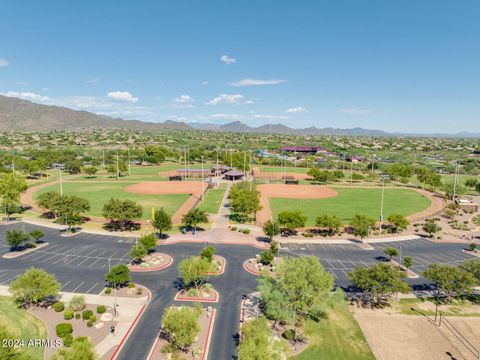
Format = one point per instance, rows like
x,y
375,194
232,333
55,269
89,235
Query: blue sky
x,y
411,66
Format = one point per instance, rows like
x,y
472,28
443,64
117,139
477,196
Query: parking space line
x,y
50,258
94,263
8,280
91,288
87,258
68,282
3,275
83,282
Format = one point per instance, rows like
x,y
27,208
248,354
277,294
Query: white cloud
x,y
44,89
3,63
256,82
226,99
353,111
122,96
296,110
205,82
104,106
228,59
91,81
269,117
226,117
183,101
29,96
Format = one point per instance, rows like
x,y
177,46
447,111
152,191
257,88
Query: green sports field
x,y
351,201
99,193
22,325
213,199
279,169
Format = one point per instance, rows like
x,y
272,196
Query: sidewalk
x,y
127,311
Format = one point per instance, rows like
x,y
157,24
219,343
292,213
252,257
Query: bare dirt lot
x,y
396,336
290,192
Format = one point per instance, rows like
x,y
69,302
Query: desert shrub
x,y
67,340
78,315
92,318
68,315
289,334
266,257
89,323
77,303
208,287
108,291
63,329
192,292
30,246
131,285
101,309
139,291
59,306
246,231
233,228
86,314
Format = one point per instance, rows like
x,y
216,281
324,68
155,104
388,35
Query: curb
x,y
224,264
18,254
155,268
476,254
210,242
209,333
132,326
197,299
248,270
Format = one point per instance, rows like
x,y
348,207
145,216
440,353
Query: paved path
x,y
221,219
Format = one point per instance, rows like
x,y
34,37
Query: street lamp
x,y
383,177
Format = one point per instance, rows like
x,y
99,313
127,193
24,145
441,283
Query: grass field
x,y
338,336
21,324
99,193
351,201
213,198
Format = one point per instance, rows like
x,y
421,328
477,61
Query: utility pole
x,y
351,171
455,182
203,183
129,161
384,177
61,184
217,171
118,169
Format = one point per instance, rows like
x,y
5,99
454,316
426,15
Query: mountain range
x,y
23,115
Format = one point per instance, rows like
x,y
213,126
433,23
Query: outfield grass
x,y
21,324
213,199
351,201
99,193
338,336
279,169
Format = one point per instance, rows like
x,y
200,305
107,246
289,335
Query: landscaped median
x,y
265,262
186,332
152,262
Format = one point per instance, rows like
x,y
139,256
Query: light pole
x,y
61,184
203,183
455,182
383,177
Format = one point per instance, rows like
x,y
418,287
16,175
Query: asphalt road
x,y
80,263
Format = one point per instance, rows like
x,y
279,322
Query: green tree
x,y
15,237
362,225
122,212
137,253
329,222
11,186
162,221
194,217
36,234
71,208
81,348
303,280
472,267
450,279
430,226
379,281
194,271
243,201
408,262
292,220
50,200
112,170
74,166
207,253
181,325
271,228
149,242
258,343
91,170
321,176
34,286
398,222
118,275
391,252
